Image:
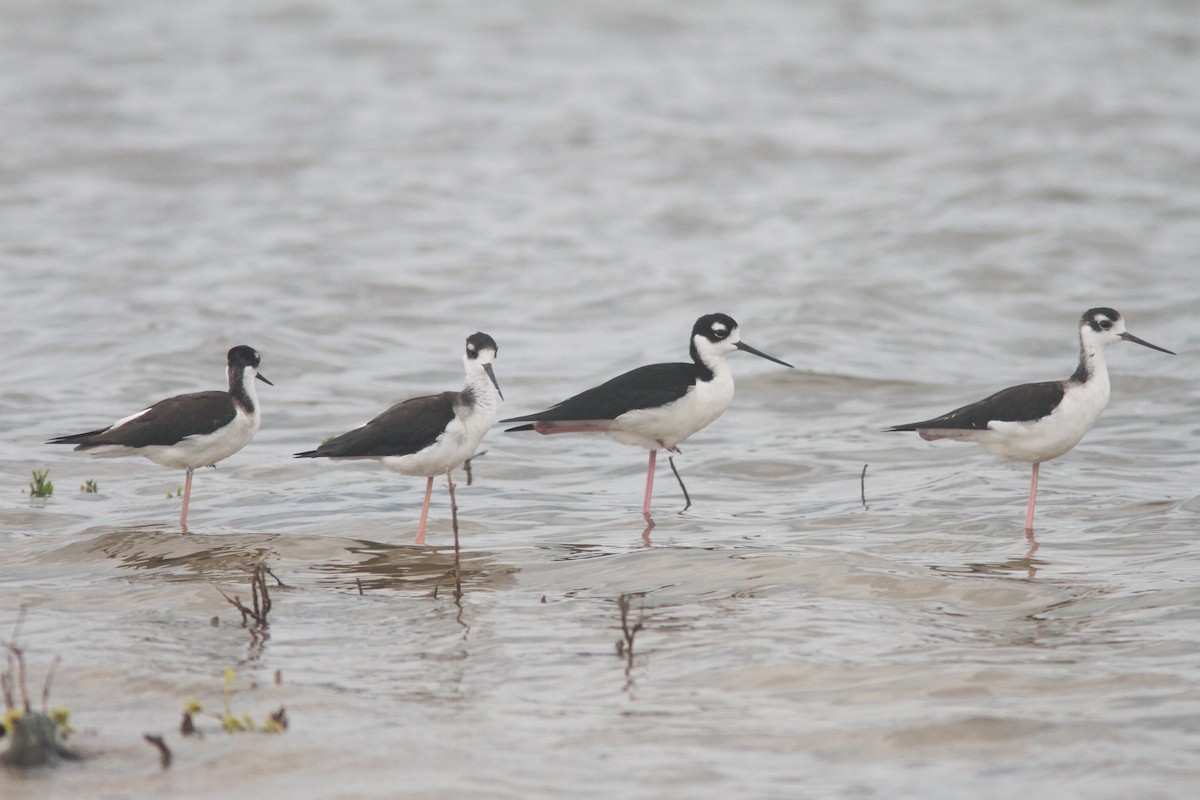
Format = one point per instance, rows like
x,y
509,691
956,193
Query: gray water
x,y
913,202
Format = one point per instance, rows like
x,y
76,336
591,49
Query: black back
x,y
1024,403
167,422
645,387
402,430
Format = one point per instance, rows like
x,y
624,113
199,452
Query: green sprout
x,y
275,722
39,486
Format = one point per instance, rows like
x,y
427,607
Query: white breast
x,y
1058,432
667,426
459,442
206,450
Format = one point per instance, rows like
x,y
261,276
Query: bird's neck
x,y
707,368
241,387
1092,365
480,391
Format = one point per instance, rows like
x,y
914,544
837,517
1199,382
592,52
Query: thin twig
x,y
260,599
467,465
628,632
687,498
862,485
278,582
458,592
164,752
14,676
46,685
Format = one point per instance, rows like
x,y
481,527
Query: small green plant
x,y
89,487
40,486
178,493
275,722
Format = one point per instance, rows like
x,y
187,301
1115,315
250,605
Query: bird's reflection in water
x,y
1026,563
355,564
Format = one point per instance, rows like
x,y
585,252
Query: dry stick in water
x,y
278,582
628,632
862,485
164,752
456,572
458,592
15,659
467,464
687,499
259,596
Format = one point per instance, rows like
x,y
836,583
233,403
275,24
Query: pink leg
x,y
425,511
1032,499
187,495
649,485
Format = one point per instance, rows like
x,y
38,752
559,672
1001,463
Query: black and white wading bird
x,y
1036,422
188,430
659,405
429,436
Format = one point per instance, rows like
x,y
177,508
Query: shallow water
x,y
911,202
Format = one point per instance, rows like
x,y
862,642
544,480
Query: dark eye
x,y
719,332
1105,324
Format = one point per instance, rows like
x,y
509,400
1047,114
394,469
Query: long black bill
x,y
488,369
1129,337
748,349
259,375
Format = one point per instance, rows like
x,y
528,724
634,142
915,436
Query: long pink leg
x,y
187,495
1032,499
425,511
649,485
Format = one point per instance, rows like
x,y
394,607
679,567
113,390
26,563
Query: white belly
x,y
193,451
667,426
1047,438
459,442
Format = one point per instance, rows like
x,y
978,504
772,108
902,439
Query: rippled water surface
x,y
913,202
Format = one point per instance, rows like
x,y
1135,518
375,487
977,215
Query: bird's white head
x,y
1099,327
479,356
715,336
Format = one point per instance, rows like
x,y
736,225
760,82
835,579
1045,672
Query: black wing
x,y
644,387
167,422
403,429
1024,403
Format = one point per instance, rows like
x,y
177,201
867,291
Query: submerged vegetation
x,y
274,722
41,486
